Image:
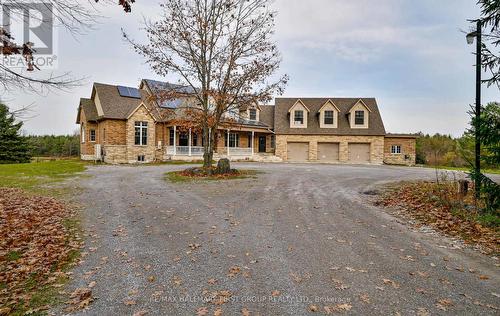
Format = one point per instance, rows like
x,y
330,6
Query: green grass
x,y
465,169
177,177
34,178
13,255
30,176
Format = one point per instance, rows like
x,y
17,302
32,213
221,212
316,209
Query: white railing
x,y
184,150
198,151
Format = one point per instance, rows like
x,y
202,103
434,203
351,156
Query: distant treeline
x,y
54,146
445,150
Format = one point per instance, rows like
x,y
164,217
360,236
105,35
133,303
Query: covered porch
x,y
235,144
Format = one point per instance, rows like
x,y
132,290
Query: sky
x,y
411,56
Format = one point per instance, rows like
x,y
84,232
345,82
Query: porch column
x,y
227,143
175,140
189,143
253,135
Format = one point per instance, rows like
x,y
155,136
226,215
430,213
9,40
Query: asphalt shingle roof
x,y
282,119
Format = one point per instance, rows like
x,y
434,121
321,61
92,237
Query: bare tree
x,y
222,50
73,15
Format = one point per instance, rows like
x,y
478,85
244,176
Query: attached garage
x,y
328,152
359,153
297,151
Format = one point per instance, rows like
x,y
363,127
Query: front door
x,y
262,144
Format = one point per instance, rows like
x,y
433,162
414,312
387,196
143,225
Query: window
x,y
141,133
104,134
183,139
171,137
395,149
92,135
273,141
234,140
194,140
82,133
253,114
298,117
140,158
328,117
359,118
249,139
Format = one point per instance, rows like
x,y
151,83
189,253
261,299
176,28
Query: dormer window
x,y
252,113
298,117
359,117
328,118
328,115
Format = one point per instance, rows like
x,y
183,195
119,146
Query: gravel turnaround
x,y
296,239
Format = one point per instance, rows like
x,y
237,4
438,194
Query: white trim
x,y
395,152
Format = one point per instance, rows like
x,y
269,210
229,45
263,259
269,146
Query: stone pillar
x,y
313,150
343,151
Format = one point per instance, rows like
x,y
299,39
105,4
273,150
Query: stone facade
x,y
115,154
148,150
376,145
408,150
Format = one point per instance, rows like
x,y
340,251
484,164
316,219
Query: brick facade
x,y
408,151
376,145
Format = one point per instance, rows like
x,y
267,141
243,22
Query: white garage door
x,y
297,151
359,153
328,152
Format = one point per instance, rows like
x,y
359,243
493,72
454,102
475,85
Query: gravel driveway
x,y
296,235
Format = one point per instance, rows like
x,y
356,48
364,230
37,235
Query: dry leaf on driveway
x,y
394,284
245,311
202,311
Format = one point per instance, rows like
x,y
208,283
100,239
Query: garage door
x,y
359,153
328,152
297,151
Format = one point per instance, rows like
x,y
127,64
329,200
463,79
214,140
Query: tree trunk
x,y
207,158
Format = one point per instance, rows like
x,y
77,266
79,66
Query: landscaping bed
x,y
439,206
193,174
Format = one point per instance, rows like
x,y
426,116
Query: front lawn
x,y
30,176
39,235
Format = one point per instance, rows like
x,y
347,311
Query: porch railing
x,y
184,150
198,151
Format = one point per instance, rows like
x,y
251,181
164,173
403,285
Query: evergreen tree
x,y
13,147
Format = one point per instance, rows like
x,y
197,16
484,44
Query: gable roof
x,y
363,103
282,121
297,102
115,106
329,102
89,110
